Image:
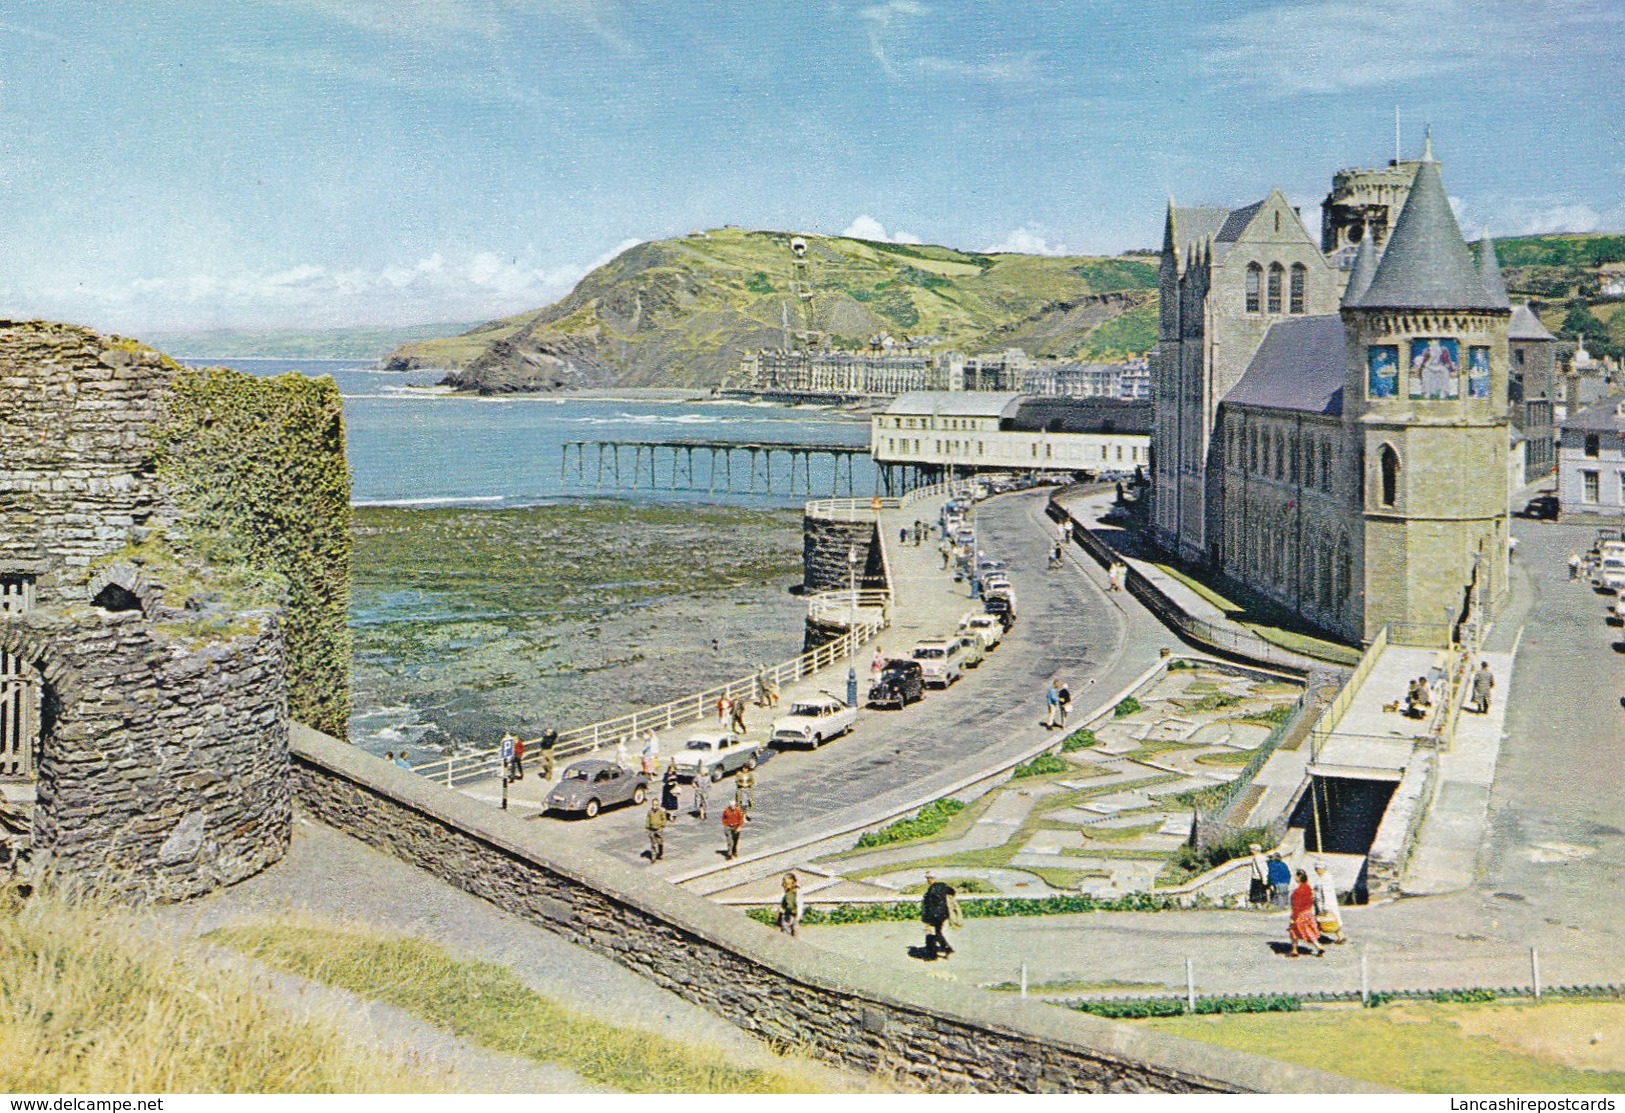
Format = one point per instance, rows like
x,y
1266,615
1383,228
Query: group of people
x,y
1058,702
913,535
664,812
731,713
1421,693
514,749
1313,910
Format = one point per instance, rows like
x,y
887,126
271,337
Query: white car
x,y
941,660
1612,573
814,721
715,754
985,626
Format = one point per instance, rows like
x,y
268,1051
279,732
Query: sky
x,y
326,163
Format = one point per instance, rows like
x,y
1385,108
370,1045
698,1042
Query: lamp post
x,y
852,626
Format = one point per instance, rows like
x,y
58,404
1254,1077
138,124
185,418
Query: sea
x,y
412,442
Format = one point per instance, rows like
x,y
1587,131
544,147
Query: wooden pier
x,y
741,467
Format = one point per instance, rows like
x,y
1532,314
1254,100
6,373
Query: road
x,y
1067,627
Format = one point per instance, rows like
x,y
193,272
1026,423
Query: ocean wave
x,y
449,500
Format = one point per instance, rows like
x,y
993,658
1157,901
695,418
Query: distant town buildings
x,y
889,368
1591,460
969,431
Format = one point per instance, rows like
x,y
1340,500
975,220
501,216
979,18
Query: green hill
x,y
683,312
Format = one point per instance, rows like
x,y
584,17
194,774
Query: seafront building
x,y
971,431
838,375
1337,441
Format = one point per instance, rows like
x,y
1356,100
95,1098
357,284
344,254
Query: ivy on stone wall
x,y
257,467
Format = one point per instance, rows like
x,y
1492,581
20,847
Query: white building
x,y
1591,460
985,431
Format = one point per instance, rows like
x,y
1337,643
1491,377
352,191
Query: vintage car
x,y
715,754
985,626
900,682
814,721
1002,605
941,659
590,786
971,649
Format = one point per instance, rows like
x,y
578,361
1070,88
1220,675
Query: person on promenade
x,y
651,746
1052,701
1327,913
668,790
389,756
939,906
877,664
1258,885
1574,566
518,758
1304,926
546,742
401,762
1280,879
733,821
737,717
744,788
724,704
1064,696
621,757
790,908
772,690
701,784
646,763
656,826
1483,681
902,535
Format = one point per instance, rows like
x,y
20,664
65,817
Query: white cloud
x,y
475,286
887,31
1528,219
1028,240
866,227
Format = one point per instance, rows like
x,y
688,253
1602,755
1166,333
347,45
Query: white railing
x,y
849,509
475,765
835,608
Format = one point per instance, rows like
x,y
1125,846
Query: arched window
x,y
1309,461
1326,467
1300,278
1388,462
1277,275
1280,457
1255,278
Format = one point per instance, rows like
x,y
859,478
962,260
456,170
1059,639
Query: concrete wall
x,y
782,990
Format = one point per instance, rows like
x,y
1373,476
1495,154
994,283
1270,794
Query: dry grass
x,y
93,1001
486,1004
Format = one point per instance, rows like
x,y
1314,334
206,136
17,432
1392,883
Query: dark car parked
x,y
901,682
1002,604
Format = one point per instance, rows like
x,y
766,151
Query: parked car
x,y
1611,574
964,535
989,564
900,682
814,721
940,659
985,626
971,650
1002,605
995,581
715,754
588,786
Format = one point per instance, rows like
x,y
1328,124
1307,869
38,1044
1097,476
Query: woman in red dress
x,y
1305,926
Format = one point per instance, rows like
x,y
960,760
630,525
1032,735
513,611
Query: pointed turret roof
x,y
1365,265
1427,264
1489,270
1526,326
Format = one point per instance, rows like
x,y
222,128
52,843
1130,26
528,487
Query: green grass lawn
x,y
1432,1048
1268,623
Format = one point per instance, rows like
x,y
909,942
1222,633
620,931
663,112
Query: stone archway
x,y
36,684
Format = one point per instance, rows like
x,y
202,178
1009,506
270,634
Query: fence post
x,y
1024,980
449,760
1365,979
1534,971
1190,985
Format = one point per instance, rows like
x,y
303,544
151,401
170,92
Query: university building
x,y
1337,440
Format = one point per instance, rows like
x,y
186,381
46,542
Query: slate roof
x,y
1603,417
1365,265
1427,264
1236,223
1192,225
1081,415
1489,271
1299,366
1526,326
956,403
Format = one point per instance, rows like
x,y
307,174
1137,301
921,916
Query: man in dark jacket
x,y
936,909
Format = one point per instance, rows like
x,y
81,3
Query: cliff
x,y
683,312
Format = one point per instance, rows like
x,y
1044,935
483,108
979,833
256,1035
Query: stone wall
x,y
855,1013
825,546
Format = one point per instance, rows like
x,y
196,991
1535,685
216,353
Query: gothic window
x,y
1309,461
1300,277
1280,457
1388,462
1255,277
1277,274
1326,467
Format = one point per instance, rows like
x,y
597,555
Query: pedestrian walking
x,y
668,790
736,717
902,535
745,788
621,757
549,738
733,821
1280,879
790,906
1258,885
518,758
1483,682
939,907
1574,566
1327,912
655,824
877,664
1064,696
772,692
701,784
724,704
1052,702
1304,926
947,553
651,746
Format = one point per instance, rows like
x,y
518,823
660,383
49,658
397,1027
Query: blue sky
x,y
310,163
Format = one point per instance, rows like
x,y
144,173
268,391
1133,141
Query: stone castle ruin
x,y
173,580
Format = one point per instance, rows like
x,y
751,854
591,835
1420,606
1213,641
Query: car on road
x,y
995,581
1002,605
964,535
940,659
590,786
1611,574
971,648
814,721
900,682
985,626
714,754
